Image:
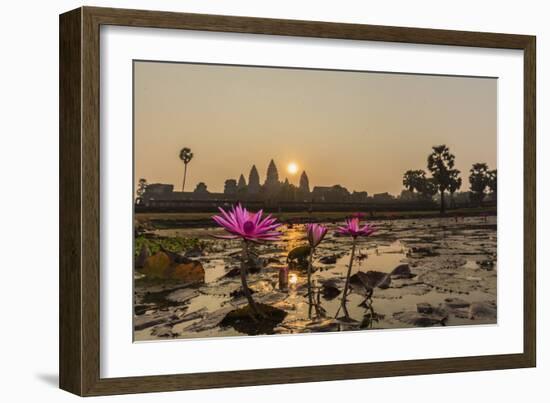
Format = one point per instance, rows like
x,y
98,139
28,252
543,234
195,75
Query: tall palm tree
x,y
455,182
478,181
441,163
186,156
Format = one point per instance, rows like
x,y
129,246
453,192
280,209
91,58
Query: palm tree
x,y
454,184
186,156
479,174
141,189
441,163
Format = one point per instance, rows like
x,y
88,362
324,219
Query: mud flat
x,y
414,272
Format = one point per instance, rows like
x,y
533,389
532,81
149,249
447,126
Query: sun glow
x,y
292,168
292,279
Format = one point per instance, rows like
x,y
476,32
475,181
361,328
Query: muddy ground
x,y
446,275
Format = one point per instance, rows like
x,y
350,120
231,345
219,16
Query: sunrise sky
x,y
361,130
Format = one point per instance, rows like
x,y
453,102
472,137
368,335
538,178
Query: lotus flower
x,y
241,223
315,234
353,229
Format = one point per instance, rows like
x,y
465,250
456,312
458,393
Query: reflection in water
x,y
292,280
293,237
370,317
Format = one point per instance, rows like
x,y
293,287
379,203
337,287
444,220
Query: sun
x,y
292,168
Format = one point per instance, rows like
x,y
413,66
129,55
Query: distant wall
x,y
197,206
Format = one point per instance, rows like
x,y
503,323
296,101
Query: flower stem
x,y
346,287
246,290
309,291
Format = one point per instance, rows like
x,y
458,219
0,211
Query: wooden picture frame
x,y
80,184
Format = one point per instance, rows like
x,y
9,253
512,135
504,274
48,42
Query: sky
x,y
361,130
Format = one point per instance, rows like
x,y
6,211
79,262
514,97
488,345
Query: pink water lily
x,y
315,234
241,223
353,229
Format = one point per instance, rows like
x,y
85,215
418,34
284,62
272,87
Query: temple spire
x,y
272,177
242,183
304,182
253,180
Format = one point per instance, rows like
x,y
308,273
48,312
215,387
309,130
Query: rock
x,y
403,271
424,307
170,266
483,310
456,303
331,259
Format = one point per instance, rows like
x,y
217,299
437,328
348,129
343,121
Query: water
x,y
446,257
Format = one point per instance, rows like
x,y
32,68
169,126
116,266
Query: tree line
x,y
445,178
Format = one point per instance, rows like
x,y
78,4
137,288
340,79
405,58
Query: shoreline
x,y
193,220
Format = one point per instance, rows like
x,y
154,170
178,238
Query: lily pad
x,y
242,319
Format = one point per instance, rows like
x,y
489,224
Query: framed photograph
x,y
250,201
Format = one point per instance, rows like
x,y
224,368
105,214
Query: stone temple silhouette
x,y
273,190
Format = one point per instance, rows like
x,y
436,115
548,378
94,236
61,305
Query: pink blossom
x,y
315,234
241,223
353,229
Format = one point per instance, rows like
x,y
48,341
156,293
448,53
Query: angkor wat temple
x,y
272,191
